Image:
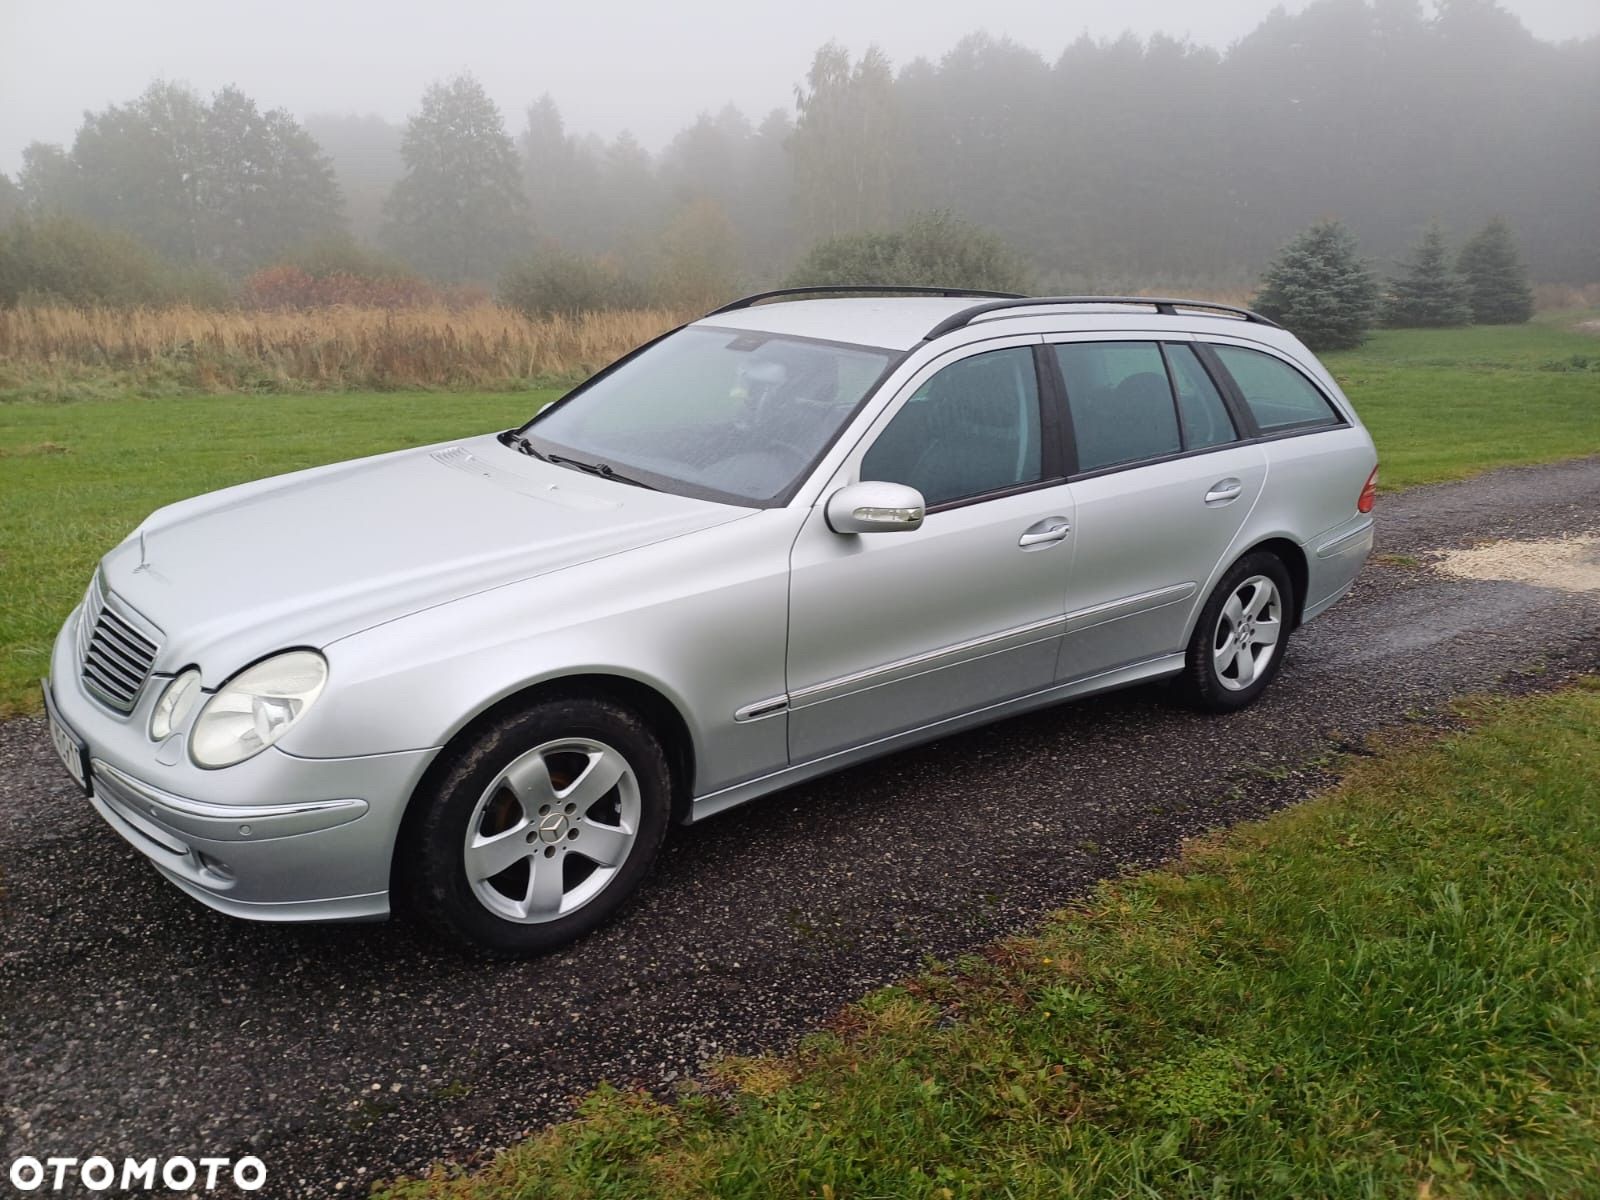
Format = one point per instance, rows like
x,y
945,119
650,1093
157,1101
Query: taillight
x,y
1369,493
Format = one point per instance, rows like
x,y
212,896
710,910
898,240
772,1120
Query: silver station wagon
x,y
481,679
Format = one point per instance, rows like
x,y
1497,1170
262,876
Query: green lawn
x,y
1450,403
75,476
1391,990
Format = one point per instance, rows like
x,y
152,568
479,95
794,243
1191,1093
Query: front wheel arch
x,y
655,709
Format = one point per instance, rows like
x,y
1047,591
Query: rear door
x,y
1318,461
890,632
1162,479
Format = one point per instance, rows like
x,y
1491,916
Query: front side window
x,y
724,414
1279,397
1120,402
971,429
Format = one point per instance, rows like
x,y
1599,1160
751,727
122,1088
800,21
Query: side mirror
x,y
875,508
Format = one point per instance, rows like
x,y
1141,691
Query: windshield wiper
x,y
603,470
515,440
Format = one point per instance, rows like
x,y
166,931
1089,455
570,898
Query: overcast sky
x,y
648,67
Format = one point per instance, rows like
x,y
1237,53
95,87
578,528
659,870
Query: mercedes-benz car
x,y
481,679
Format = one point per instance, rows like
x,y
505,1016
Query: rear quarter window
x,y
1278,396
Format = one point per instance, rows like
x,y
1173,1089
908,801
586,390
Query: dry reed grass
x,y
1552,296
484,346
63,352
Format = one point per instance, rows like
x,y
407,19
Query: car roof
x,y
904,322
894,322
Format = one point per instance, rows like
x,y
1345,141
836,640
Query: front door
x,y
890,632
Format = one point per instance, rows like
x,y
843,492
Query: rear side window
x,y
1279,396
1205,417
1120,402
973,428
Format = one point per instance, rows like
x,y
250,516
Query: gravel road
x,y
134,1021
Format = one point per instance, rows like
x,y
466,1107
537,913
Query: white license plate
x,y
69,749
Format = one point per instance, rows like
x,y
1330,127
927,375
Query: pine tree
x,y
1497,282
547,161
1428,294
1319,288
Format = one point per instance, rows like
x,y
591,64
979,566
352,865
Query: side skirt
x,y
730,797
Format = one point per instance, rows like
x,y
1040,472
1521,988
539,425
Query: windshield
x,y
725,414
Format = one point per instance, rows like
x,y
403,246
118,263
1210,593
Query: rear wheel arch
x,y
1294,560
1237,644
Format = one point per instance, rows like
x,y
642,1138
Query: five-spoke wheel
x,y
539,827
1247,632
552,830
1240,637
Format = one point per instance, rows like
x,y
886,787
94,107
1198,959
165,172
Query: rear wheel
x,y
1239,641
542,828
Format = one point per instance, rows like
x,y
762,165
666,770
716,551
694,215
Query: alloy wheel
x,y
1247,633
552,830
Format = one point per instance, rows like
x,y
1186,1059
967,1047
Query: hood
x,y
304,559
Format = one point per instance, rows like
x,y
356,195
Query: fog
x,y
574,158
644,67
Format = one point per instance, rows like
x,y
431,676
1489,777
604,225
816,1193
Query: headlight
x,y
175,705
257,707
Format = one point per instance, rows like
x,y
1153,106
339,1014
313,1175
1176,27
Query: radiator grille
x,y
116,654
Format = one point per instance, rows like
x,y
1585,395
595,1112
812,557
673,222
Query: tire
x,y
1229,662
579,787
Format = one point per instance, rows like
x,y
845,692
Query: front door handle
x,y
1224,491
1051,529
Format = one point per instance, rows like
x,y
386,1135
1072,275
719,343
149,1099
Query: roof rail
x,y
875,289
1166,306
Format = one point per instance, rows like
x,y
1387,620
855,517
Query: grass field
x,y
76,475
1390,990
1450,403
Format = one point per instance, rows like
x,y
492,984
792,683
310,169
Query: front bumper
x,y
274,838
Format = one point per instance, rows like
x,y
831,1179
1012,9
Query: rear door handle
x,y
1224,491
1051,529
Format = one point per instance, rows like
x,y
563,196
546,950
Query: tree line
x,y
1118,161
216,182
1319,287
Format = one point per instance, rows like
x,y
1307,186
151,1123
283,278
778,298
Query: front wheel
x,y
541,828
1239,641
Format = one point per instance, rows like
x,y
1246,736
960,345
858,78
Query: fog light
x,y
175,705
